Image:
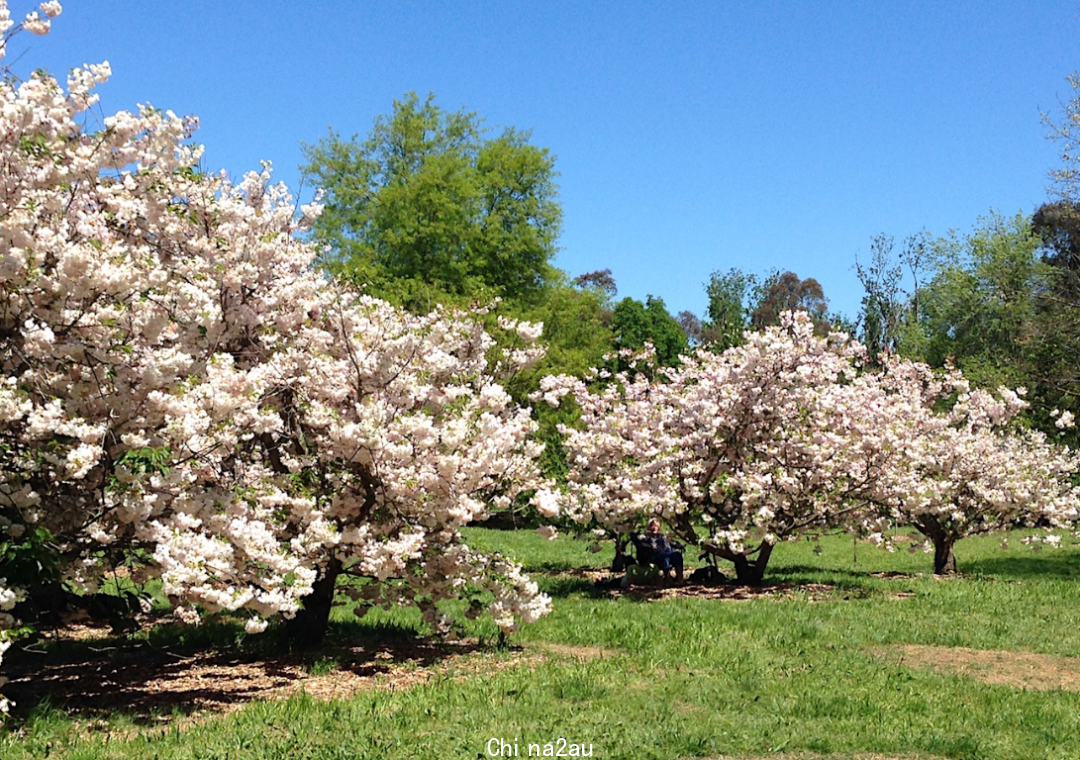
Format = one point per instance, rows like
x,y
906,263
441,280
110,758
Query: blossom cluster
x,y
8,598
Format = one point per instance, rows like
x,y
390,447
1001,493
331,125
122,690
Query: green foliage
x,y
429,210
1057,319
1058,226
146,460
30,560
577,328
730,304
634,323
996,304
577,336
980,306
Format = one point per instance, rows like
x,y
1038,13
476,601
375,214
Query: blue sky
x,y
690,136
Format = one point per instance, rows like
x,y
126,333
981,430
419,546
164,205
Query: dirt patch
x,y
908,538
894,575
594,574
581,653
149,683
1022,670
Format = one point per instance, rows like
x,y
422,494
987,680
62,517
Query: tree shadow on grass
x,y
791,581
551,567
150,683
839,578
563,586
1047,563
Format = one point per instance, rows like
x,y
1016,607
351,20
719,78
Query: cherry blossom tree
x,y
181,387
788,434
962,467
734,451
11,594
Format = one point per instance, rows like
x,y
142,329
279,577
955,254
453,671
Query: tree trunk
x,y
749,572
943,540
308,628
944,559
622,559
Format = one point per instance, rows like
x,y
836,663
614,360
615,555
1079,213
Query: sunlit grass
x,y
685,677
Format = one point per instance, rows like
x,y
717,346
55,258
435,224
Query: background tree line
x,y
1001,303
432,208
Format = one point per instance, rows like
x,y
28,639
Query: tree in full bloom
x,y
787,434
734,451
182,387
963,467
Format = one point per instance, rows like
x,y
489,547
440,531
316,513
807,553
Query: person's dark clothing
x,y
655,543
658,551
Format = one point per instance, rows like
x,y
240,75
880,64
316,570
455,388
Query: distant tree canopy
x,y
890,312
691,325
1058,226
634,323
980,308
731,296
1065,131
785,291
995,303
600,281
740,301
429,209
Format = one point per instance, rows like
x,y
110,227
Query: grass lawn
x,y
859,652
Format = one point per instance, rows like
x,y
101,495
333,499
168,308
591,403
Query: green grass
x,y
683,677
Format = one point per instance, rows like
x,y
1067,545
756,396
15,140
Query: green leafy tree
x,y
996,305
577,336
730,297
1057,224
1057,374
634,323
430,209
980,309
889,313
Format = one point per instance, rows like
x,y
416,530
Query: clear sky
x,y
690,136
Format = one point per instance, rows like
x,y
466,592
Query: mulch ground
x,y
724,592
151,684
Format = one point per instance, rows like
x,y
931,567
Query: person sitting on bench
x,y
653,548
